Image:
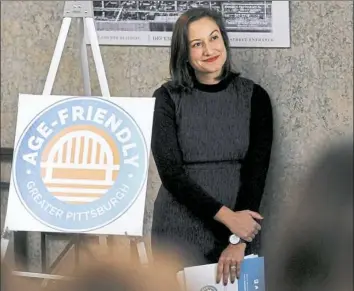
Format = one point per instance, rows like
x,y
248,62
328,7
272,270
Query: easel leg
x,y
102,79
44,252
58,51
5,241
143,257
85,70
77,251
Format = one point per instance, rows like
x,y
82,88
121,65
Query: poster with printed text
x,y
80,165
202,278
150,23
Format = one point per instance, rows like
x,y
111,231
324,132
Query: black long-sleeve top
x,y
170,164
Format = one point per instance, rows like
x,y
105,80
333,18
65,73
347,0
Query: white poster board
x,y
150,23
80,165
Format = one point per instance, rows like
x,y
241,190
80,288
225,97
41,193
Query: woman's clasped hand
x,y
241,223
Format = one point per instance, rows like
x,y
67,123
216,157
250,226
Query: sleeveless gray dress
x,y
212,129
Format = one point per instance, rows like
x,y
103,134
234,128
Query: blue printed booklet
x,y
202,278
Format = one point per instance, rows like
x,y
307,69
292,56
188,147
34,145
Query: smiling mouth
x,y
212,59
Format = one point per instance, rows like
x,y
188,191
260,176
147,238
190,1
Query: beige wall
x,y
311,84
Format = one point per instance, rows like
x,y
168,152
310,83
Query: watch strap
x,y
243,241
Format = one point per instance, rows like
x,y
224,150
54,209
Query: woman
x,y
211,141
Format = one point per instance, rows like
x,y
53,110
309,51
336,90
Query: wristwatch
x,y
234,239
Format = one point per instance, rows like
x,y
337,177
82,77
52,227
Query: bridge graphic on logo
x,y
80,166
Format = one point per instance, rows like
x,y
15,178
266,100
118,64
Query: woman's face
x,y
207,52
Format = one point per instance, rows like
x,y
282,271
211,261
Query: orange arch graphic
x,y
80,164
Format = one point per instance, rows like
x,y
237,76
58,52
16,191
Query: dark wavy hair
x,y
181,72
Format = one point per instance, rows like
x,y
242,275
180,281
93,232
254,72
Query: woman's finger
x,y
220,269
238,270
248,239
233,271
226,271
257,226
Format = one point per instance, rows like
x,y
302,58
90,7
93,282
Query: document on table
x,y
202,278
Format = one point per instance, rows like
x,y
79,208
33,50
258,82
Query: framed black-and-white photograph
x,y
150,23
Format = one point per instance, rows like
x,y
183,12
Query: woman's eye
x,y
215,37
196,44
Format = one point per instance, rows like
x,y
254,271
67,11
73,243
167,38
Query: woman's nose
x,y
207,49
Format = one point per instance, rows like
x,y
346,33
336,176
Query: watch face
x,y
234,239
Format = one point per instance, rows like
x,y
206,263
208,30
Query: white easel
x,y
83,12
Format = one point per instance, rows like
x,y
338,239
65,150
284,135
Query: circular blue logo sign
x,y
80,164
